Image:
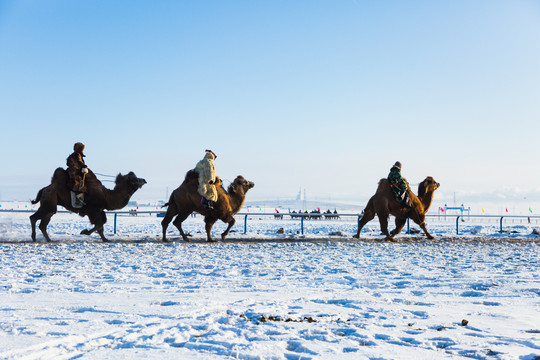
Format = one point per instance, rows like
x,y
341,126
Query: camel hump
x,y
383,184
191,175
60,174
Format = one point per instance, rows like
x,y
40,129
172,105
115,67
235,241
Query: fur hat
x,y
398,165
211,152
78,147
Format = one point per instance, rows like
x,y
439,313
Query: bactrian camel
x,y
383,204
97,199
185,200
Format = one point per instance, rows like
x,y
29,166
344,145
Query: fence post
x,y
115,216
245,224
302,224
502,217
457,225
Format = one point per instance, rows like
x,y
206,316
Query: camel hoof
x,y
85,232
211,240
356,236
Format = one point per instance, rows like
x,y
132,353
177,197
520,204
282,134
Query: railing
x,y
315,216
499,217
303,216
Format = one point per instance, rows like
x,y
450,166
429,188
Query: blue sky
x,y
323,95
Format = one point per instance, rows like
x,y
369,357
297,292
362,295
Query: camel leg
x,y
98,220
423,226
226,232
400,223
33,221
99,231
169,215
383,221
88,232
369,214
45,219
178,223
209,223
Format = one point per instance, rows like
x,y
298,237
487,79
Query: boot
x,y
80,199
207,204
405,203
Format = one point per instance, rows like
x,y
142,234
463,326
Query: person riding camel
x,y
207,179
77,171
398,185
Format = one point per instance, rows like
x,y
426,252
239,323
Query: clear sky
x,y
323,95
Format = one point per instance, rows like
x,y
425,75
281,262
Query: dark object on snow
x,y
336,233
464,322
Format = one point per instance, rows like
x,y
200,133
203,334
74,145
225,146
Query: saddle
x,y
77,199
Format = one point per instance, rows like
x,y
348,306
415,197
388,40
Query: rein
x,y
110,176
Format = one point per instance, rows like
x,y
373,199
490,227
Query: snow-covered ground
x,y
263,295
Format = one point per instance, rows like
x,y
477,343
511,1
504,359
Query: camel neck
x,y
236,200
427,200
116,199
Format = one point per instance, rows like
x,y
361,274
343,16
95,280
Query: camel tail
x,y
38,197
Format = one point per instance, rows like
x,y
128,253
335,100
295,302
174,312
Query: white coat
x,y
207,177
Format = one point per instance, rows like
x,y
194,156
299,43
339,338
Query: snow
x,y
263,295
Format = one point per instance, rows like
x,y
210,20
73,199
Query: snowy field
x,y
263,295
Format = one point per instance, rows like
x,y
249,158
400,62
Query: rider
x,y
207,179
77,171
398,185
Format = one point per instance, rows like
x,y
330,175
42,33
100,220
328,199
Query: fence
x,y
310,216
303,217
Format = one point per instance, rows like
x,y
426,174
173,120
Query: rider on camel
x,y
207,179
77,170
398,185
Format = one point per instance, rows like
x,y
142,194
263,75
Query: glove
x,y
84,170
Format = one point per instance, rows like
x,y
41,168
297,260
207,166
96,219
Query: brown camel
x,y
97,199
185,199
383,204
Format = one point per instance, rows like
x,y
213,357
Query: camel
x,y
185,200
97,199
383,204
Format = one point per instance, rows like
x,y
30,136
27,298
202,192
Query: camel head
x,y
240,184
130,182
428,185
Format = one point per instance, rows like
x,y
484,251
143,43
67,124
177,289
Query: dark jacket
x,y
75,163
398,185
